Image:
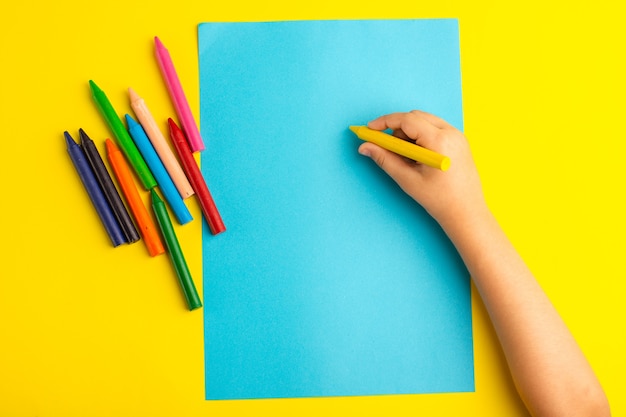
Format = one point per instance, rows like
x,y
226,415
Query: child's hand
x,y
450,197
549,369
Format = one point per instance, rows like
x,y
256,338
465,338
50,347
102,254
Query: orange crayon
x,y
147,227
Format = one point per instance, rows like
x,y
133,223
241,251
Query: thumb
x,y
405,173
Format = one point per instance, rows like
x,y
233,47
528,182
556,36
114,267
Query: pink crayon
x,y
177,94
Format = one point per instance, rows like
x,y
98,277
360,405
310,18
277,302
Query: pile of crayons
x,y
146,150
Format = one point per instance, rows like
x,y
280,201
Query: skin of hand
x,y
550,371
453,195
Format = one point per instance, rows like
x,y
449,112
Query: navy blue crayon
x,y
95,192
107,186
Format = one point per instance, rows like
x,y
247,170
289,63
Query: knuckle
x,y
380,159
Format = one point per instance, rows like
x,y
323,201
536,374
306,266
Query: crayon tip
x,y
355,129
175,131
155,197
132,123
172,124
94,87
158,43
133,96
69,140
110,146
83,136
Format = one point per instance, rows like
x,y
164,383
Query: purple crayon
x,y
95,192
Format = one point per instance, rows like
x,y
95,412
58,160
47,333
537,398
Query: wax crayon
x,y
160,145
178,97
96,194
402,147
110,192
212,216
158,170
175,252
123,139
146,225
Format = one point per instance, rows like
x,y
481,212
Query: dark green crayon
x,y
123,138
175,252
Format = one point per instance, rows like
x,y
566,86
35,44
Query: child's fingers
x,y
400,134
413,125
404,172
436,121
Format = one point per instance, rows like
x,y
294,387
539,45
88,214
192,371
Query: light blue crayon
x,y
163,179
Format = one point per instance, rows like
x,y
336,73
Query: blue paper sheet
x,y
329,280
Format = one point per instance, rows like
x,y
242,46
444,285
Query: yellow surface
x,y
88,330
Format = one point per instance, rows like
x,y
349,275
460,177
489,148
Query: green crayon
x,y
123,138
175,252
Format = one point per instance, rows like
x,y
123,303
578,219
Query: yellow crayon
x,y
402,147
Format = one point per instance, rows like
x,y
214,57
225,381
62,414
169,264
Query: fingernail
x,y
365,152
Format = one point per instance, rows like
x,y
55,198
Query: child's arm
x,y
550,372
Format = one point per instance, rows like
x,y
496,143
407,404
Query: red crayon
x,y
196,180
